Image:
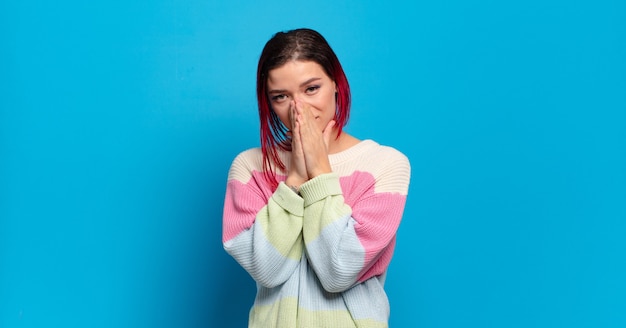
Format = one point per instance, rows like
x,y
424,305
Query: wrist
x,y
295,182
320,172
295,189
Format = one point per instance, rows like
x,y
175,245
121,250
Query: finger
x,y
297,104
296,129
291,116
296,143
295,138
328,131
303,109
305,117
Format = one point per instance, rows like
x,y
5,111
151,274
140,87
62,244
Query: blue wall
x,y
119,119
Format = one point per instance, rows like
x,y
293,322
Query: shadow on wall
x,y
224,291
234,295
188,279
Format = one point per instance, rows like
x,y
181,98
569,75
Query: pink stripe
x,y
242,203
378,218
377,215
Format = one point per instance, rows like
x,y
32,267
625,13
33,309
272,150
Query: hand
x,y
314,143
297,174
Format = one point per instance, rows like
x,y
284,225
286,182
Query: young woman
x,y
312,214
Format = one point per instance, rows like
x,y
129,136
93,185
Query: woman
x,y
312,214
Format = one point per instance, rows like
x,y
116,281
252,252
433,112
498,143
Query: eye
x,y
279,98
312,89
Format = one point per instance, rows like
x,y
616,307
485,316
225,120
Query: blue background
x,y
119,120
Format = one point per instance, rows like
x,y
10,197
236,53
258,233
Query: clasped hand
x,y
309,145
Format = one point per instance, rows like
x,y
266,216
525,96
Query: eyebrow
x,y
313,79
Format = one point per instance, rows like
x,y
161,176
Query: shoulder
x,y
385,167
245,164
369,156
384,156
390,167
393,153
249,156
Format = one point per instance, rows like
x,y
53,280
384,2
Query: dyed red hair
x,y
299,44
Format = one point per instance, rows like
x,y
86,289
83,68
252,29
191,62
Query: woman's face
x,y
308,84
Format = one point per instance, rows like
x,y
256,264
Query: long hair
x,y
299,44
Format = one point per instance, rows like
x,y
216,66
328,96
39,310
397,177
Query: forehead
x,y
295,71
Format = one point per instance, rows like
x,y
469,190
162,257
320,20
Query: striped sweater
x,y
320,258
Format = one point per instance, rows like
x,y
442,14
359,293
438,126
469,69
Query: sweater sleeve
x,y
264,237
350,244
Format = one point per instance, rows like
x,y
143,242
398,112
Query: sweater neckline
x,y
336,158
350,153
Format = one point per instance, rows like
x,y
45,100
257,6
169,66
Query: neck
x,y
341,143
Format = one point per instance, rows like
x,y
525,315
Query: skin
x,y
303,97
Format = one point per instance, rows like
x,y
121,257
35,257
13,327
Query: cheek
x,y
326,103
330,106
327,112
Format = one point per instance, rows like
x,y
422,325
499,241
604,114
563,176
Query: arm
x,y
264,237
345,244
